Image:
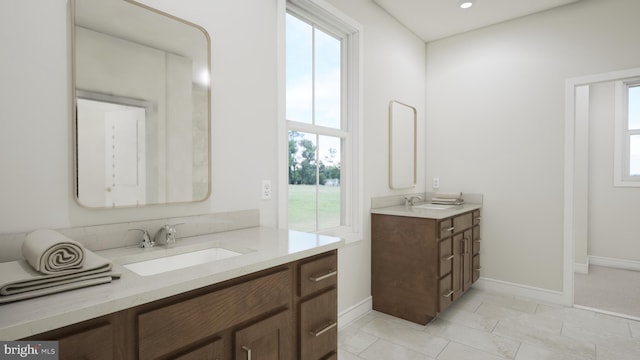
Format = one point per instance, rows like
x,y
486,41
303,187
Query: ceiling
x,y
437,19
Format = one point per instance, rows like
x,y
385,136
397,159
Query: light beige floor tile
x,y
482,340
497,312
470,319
385,350
602,324
550,340
345,355
508,301
635,328
397,333
363,320
530,321
618,353
569,314
531,352
608,345
353,340
455,351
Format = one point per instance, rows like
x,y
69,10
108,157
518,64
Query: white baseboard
x,y
615,263
534,293
581,268
351,314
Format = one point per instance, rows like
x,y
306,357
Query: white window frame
x,y
329,17
621,176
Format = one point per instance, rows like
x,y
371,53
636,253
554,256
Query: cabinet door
x,y
318,326
458,257
213,350
268,339
467,269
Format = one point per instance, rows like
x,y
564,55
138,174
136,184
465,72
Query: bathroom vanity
x,y
277,301
423,259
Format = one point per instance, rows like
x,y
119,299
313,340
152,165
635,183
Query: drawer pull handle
x,y
330,325
450,257
450,229
448,294
248,351
478,240
317,278
478,269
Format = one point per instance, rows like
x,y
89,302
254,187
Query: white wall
x,y
36,151
614,231
495,124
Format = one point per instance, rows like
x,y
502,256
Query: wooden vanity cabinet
x,y
419,266
286,312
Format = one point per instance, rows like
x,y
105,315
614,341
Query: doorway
x,y
599,221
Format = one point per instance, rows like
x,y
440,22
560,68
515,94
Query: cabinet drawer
x,y
446,257
446,228
173,327
318,326
318,274
96,343
476,217
476,240
476,268
445,291
462,222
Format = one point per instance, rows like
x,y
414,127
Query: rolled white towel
x,y
50,252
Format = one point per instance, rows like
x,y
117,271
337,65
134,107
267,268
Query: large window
x,y
627,158
321,117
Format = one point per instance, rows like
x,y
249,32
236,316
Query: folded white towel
x,y
50,252
19,280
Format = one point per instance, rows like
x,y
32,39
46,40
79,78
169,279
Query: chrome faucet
x,y
408,200
146,239
166,235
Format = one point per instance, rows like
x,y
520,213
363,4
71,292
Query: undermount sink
x,y
433,206
180,261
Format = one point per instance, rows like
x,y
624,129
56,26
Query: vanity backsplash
x,y
102,237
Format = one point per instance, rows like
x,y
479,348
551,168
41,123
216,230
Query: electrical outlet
x,y
436,183
266,189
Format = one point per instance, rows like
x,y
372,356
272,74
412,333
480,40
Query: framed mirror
x,y
141,96
402,145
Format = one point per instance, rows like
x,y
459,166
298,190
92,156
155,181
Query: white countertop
x,y
262,248
416,211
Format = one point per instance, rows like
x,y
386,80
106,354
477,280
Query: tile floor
x,y
489,326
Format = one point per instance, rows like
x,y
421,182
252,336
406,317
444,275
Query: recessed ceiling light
x,y
465,4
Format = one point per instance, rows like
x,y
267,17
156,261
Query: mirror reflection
x,y
142,100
